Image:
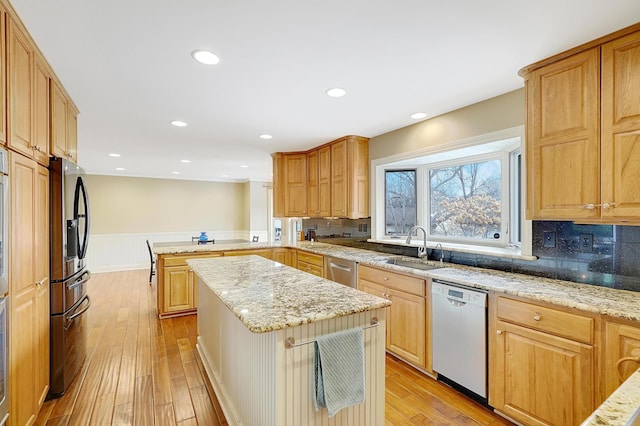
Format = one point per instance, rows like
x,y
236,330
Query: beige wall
x,y
488,116
138,205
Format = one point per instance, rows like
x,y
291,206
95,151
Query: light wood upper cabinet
x,y
563,136
621,128
541,362
319,183
3,74
330,180
583,131
350,177
295,184
41,78
29,288
64,124
621,347
20,70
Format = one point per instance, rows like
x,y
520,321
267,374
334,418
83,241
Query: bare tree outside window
x,y
400,201
465,200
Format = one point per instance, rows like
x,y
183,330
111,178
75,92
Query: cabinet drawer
x,y
549,320
392,280
182,260
312,269
311,258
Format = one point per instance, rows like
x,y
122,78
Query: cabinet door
x,y
621,341
313,197
621,127
24,359
3,75
41,260
324,182
282,255
563,138
380,291
406,322
72,133
339,180
40,111
278,185
58,121
541,379
19,90
295,199
178,289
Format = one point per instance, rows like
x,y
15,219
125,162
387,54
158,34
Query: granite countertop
x,y
267,296
619,408
612,302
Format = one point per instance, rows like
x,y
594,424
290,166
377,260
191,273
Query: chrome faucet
x,y
422,251
441,252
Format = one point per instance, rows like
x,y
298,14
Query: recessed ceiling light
x,y
175,173
418,115
265,136
243,166
224,176
178,123
205,57
113,154
336,92
185,161
120,169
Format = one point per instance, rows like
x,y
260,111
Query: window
x,y
465,201
400,201
470,194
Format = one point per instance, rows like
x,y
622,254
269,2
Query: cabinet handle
x,y
621,361
537,317
608,205
499,332
385,278
41,282
589,206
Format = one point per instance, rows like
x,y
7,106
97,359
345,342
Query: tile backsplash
x,y
604,255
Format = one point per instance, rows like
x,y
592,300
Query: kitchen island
x,y
257,320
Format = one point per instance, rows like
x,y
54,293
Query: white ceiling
x,y
127,65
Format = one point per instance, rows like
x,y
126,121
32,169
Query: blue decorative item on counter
x,y
203,236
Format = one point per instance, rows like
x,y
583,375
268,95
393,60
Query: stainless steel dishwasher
x,y
341,271
459,333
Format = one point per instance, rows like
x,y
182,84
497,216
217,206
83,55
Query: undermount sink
x,y
416,264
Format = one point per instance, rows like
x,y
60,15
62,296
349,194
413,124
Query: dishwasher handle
x,y
341,267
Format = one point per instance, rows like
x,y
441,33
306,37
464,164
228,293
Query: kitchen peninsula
x,y
257,320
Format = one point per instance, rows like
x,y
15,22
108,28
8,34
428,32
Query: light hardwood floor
x,y
142,371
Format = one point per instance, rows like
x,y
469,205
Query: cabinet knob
x,y
385,278
608,205
589,206
537,317
41,282
499,332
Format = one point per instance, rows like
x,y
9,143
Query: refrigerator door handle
x,y
69,320
80,188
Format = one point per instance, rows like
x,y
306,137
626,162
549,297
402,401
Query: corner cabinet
x,y
542,362
583,129
407,320
64,124
28,288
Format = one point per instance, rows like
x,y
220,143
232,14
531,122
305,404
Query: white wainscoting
x,y
121,252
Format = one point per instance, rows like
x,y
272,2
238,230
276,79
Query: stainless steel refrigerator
x,y
69,224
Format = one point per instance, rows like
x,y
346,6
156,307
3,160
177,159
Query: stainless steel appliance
x,y
69,274
4,288
459,321
341,271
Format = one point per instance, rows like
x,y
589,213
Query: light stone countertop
x,y
618,409
591,298
267,296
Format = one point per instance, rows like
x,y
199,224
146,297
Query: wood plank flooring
x,y
141,370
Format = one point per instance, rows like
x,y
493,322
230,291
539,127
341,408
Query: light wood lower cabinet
x,y
621,353
539,374
28,288
406,317
310,262
282,255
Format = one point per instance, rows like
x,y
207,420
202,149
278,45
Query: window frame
x,y
416,184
